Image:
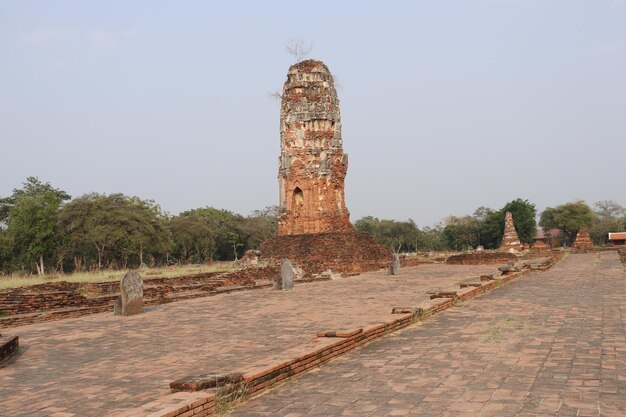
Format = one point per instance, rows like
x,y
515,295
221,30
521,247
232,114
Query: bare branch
x,y
276,95
298,49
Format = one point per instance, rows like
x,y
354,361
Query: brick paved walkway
x,y
549,344
93,365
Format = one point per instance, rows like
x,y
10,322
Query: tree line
x,y
485,226
42,229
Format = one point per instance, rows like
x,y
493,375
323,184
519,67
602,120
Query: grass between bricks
x,y
227,397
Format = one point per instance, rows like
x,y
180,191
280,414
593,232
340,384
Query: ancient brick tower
x,y
510,240
312,165
314,229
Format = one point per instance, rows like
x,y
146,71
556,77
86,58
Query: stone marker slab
x,y
130,301
285,280
394,267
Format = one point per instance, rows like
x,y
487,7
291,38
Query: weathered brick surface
x,y
583,242
96,374
481,258
551,344
510,240
312,165
347,252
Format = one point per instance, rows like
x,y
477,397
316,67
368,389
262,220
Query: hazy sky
x,y
446,105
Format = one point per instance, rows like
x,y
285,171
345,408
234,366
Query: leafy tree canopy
x,y
568,218
396,235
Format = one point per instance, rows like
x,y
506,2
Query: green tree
x,y
568,218
192,238
30,215
259,226
610,217
115,226
461,233
396,235
223,224
491,229
5,252
430,238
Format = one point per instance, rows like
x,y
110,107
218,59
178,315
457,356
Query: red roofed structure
x,y
618,239
549,239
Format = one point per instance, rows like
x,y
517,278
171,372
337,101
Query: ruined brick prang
x,y
510,240
583,242
312,165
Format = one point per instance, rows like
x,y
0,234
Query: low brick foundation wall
x,y
482,258
61,300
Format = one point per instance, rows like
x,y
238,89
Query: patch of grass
x,y
419,315
227,397
493,335
3,314
107,275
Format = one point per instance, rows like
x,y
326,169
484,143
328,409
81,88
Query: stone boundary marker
x,y
236,386
130,301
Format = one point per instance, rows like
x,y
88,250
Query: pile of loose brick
x,y
345,252
59,300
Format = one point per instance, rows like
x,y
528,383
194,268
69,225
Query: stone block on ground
x,y
9,346
205,381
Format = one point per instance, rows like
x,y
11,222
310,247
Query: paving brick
x,y
548,344
119,363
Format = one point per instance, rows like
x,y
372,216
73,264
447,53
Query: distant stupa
x,y
583,242
510,240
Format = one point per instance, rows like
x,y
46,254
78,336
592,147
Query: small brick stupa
x,y
314,228
510,240
583,242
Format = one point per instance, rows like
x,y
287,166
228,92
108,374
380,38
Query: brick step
x,y
38,317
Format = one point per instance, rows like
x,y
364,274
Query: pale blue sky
x,y
446,105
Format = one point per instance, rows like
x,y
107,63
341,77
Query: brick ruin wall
x,y
347,252
481,258
312,165
56,300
